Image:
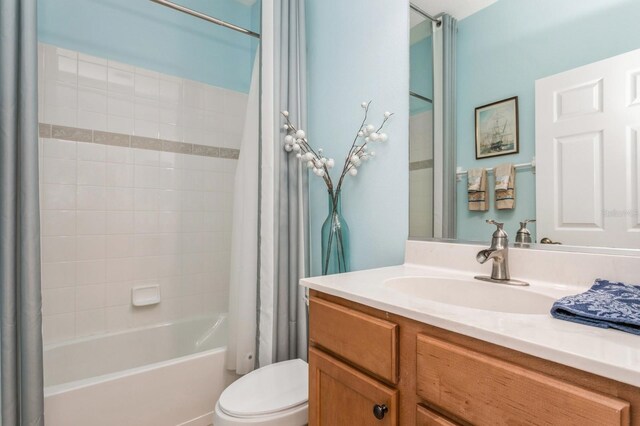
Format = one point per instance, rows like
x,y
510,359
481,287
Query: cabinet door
x,y
481,389
426,417
341,395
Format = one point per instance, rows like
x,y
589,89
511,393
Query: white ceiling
x,y
459,9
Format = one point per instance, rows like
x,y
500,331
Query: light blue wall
x,y
359,50
151,36
502,50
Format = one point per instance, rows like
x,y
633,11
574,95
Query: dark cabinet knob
x,y
379,411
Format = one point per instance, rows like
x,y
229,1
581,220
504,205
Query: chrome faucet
x,y
499,253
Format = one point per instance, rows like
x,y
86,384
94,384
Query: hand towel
x,y
477,190
505,186
607,304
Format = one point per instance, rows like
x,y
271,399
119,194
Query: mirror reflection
x,y
546,111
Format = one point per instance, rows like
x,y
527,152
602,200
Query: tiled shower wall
x,y
421,175
134,191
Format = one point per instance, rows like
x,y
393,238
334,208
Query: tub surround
x,y
607,353
137,182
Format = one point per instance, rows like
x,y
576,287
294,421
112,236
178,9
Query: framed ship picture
x,y
497,128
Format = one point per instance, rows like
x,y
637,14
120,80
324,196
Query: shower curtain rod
x,y
206,17
425,14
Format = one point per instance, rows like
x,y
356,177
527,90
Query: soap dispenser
x,y
523,236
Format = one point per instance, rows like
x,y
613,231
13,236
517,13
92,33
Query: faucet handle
x,y
493,222
500,233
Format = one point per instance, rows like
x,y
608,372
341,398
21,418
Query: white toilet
x,y
275,395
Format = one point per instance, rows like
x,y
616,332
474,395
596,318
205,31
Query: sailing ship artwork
x,y
497,128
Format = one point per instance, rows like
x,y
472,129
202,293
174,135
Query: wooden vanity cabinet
x,y
365,363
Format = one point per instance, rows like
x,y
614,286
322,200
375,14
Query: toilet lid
x,y
271,389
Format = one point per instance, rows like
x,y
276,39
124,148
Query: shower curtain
x,y
20,301
292,231
243,283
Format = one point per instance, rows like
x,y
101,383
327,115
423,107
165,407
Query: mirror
x,y
577,161
420,126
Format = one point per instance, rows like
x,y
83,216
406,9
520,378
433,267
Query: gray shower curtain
x,y
292,263
20,301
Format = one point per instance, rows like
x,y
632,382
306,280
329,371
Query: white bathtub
x,y
171,374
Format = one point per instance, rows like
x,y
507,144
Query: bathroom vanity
x,y
386,353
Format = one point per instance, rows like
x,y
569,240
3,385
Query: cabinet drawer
x,y
366,341
426,417
341,395
484,390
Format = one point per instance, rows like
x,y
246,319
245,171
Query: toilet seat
x,y
276,394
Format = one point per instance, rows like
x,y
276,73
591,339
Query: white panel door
x,y
588,154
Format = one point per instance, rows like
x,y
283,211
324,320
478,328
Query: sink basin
x,y
473,294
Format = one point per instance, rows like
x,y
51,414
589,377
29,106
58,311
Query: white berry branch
x,y
296,141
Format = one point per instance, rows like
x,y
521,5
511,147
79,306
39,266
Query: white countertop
x,y
605,352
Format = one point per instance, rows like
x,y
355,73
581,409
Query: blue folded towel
x,y
606,304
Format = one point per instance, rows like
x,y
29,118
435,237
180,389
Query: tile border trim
x,y
76,134
419,165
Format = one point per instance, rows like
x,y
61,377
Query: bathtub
x,y
170,374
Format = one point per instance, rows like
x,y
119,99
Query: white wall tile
x,y
91,151
146,86
145,222
117,154
59,171
146,176
114,217
58,301
118,318
58,274
90,297
92,75
119,245
91,198
58,223
92,120
91,222
120,105
63,116
93,100
91,247
91,272
117,124
119,199
145,199
119,270
91,322
119,222
54,148
119,175
170,91
58,328
61,94
120,81
146,109
58,249
118,293
92,173
145,128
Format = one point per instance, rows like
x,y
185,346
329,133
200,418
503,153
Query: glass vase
x,y
335,239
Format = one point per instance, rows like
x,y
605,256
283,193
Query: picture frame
x,y
496,129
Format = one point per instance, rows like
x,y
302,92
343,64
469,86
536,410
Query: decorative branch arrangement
x,y
335,232
296,141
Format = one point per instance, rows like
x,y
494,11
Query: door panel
x,y
587,185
